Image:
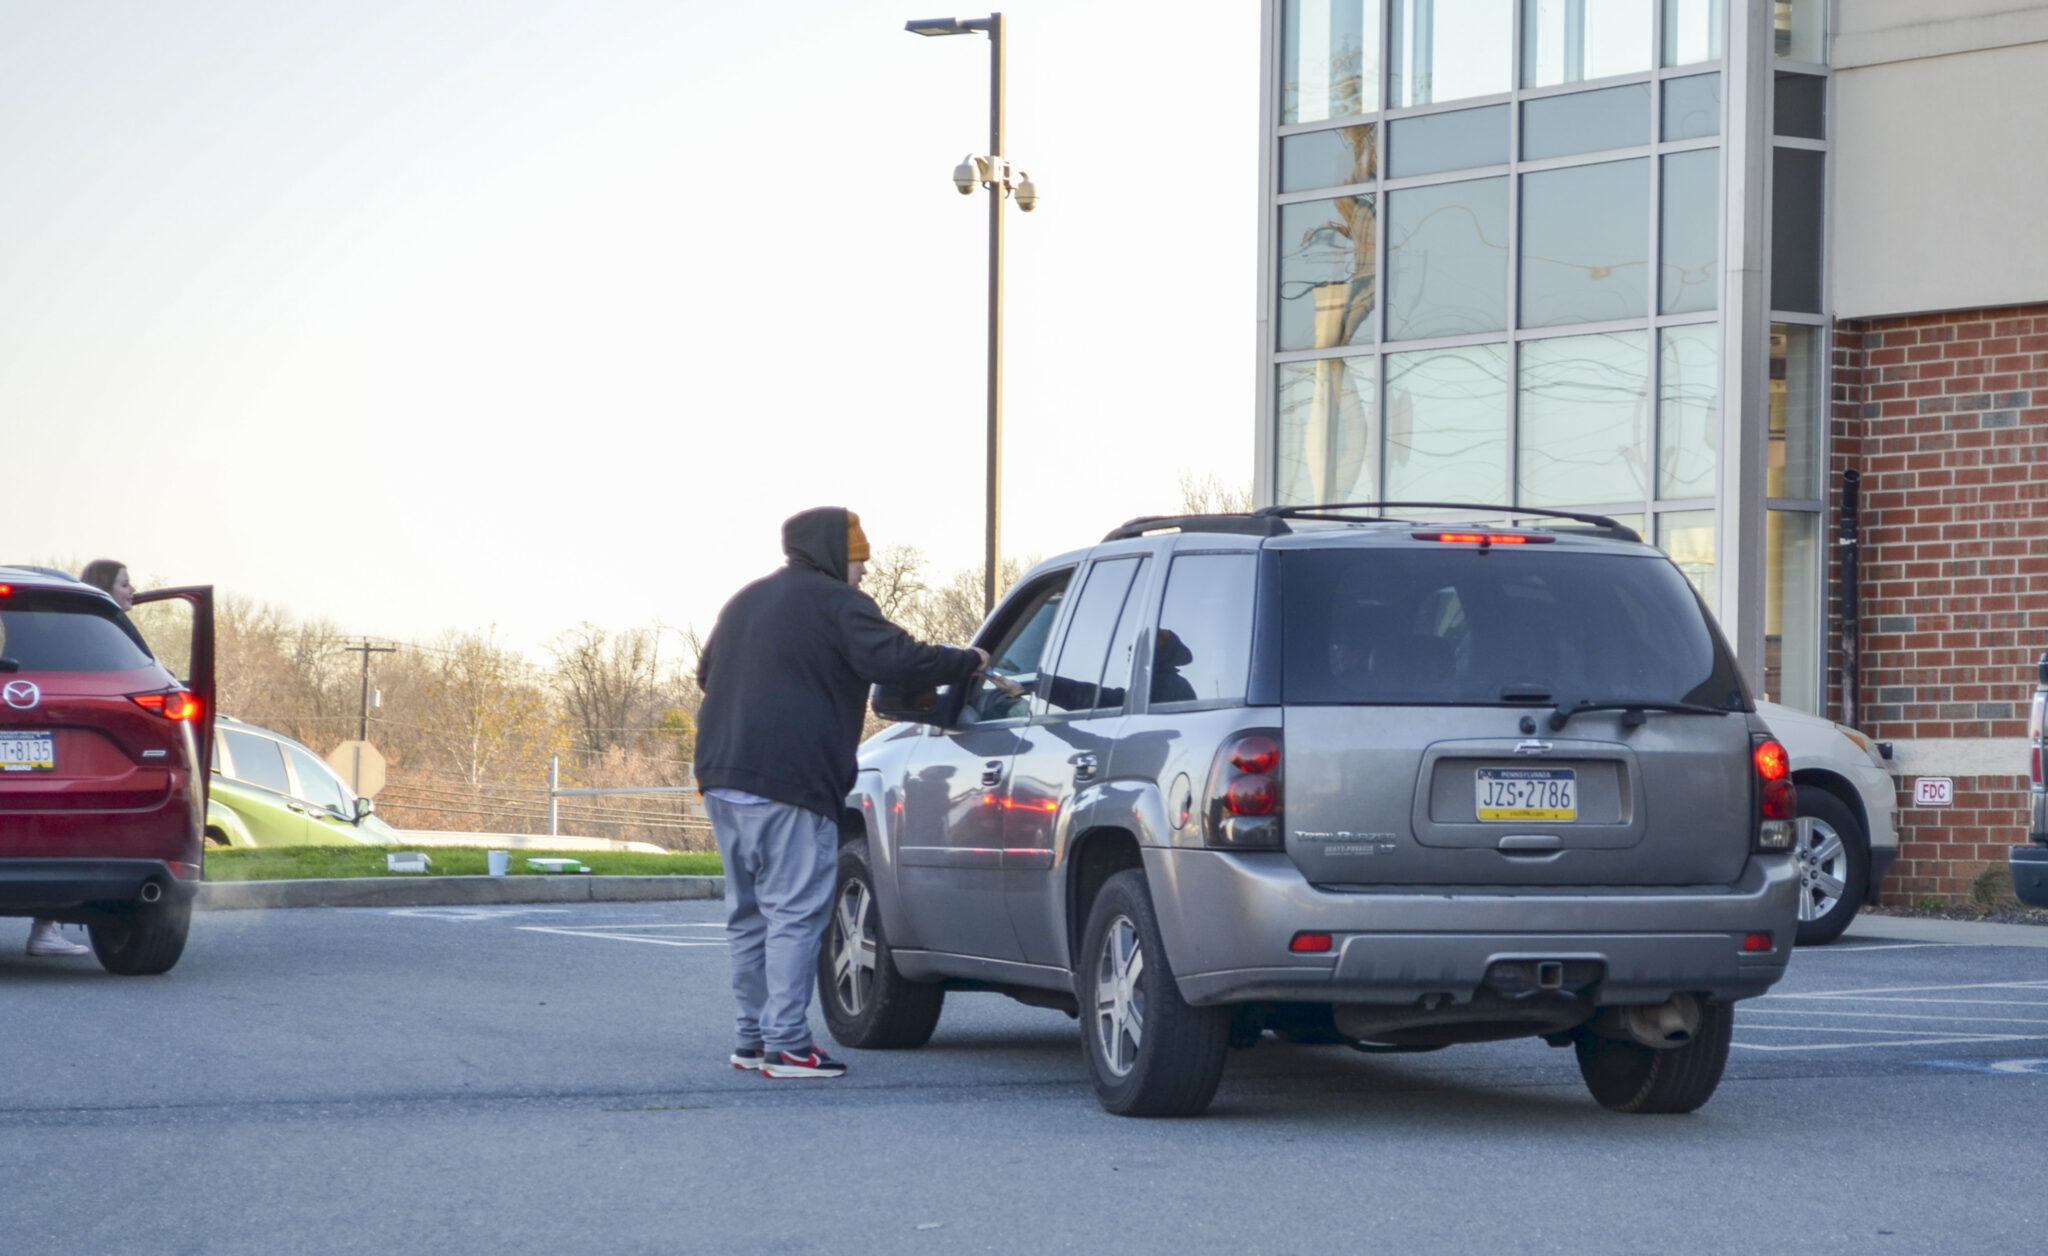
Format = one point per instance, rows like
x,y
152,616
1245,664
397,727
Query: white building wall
x,y
1941,156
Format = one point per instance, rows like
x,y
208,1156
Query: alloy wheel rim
x,y
1120,997
1823,862
853,948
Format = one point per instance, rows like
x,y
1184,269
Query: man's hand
x,y
1004,685
982,655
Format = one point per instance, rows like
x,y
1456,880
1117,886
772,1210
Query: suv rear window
x,y
61,634
1459,626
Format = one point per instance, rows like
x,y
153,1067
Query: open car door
x,y
178,625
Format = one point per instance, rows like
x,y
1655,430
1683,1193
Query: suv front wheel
x,y
1151,1054
868,1004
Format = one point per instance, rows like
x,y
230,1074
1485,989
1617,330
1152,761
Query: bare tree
x,y
1207,494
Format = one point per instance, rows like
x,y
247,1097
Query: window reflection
x,y
1689,277
1800,27
1329,159
1692,106
1447,260
1586,122
1688,537
1793,468
1327,273
1329,59
1327,438
1688,410
1584,420
1568,41
1692,31
1458,140
1449,50
1585,243
1447,419
1792,608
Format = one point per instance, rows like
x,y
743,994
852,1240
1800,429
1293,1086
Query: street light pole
x,y
993,172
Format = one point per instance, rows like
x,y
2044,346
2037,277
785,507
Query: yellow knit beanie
x,y
856,540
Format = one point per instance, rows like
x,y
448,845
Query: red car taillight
x,y
176,704
1243,801
1777,798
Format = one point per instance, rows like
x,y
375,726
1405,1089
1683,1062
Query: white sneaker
x,y
43,939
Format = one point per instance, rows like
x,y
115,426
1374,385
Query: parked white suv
x,y
1848,833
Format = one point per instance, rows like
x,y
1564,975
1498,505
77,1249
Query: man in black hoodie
x,y
785,677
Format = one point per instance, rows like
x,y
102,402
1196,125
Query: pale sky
x,y
424,314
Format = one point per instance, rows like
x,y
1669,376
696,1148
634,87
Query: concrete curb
x,y
450,891
1952,932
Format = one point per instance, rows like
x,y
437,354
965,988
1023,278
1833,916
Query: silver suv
x,y
1340,777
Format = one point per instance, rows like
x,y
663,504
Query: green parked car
x,y
269,790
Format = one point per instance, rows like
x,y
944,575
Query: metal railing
x,y
555,792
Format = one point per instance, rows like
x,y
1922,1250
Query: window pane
x,y
1692,31
1329,64
1072,685
1690,238
1328,159
1567,41
258,760
1585,243
316,784
1449,50
1688,537
1792,609
1326,273
1447,425
1205,630
1328,440
1447,260
1801,106
1688,411
1794,466
1449,141
1796,229
1123,644
51,634
1585,420
1692,106
1801,27
1586,122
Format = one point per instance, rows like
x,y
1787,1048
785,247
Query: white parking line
x,y
1812,952
1909,1042
1793,1011
1875,1003
620,933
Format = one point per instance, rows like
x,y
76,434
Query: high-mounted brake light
x,y
1777,798
1241,809
1483,538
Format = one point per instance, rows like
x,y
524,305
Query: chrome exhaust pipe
x,y
1660,1025
151,891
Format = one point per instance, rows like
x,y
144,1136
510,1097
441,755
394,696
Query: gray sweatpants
x,y
780,863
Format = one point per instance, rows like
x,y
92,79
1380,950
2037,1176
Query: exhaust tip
x,y
151,891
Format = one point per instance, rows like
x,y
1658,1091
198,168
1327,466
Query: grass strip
x,y
286,863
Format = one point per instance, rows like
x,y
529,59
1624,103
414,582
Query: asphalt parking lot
x,y
552,1078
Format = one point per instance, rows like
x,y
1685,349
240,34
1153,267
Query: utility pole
x,y
363,712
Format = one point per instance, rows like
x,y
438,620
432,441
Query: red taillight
x,y
1772,763
6,590
1255,754
1780,800
185,871
1251,796
1756,942
1310,943
178,704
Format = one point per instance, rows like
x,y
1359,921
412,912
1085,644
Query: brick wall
x,y
1946,416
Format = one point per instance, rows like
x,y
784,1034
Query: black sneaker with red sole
x,y
809,1062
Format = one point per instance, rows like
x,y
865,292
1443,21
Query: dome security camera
x,y
965,176
1027,194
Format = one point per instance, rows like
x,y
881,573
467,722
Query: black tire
x,y
869,1006
1831,847
142,941
1172,1064
1629,1077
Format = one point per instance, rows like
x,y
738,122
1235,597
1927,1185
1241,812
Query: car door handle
x,y
992,772
1085,765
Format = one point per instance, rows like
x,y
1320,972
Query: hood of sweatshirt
x,y
817,539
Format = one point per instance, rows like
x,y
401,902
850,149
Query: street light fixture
x,y
1003,181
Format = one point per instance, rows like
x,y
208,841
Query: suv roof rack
x,y
1256,523
1336,512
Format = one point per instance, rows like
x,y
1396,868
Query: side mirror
x,y
906,706
363,808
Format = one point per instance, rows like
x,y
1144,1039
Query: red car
x,y
104,744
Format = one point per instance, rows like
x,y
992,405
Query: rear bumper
x,y
55,887
2029,866
1228,919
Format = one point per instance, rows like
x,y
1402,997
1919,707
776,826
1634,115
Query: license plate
x,y
28,752
1526,793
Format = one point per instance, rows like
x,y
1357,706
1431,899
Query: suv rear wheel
x,y
868,1004
1150,1053
142,941
1629,1077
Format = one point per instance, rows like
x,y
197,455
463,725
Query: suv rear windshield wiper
x,y
1633,707
9,665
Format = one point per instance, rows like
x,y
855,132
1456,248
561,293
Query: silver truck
x,y
1338,777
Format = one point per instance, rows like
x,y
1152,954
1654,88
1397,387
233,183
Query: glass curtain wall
x,y
1497,230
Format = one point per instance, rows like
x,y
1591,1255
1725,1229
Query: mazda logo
x,y
21,694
